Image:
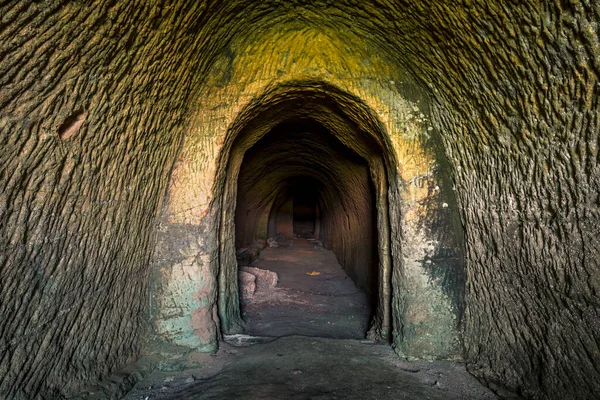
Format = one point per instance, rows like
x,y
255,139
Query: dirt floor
x,y
306,341
313,297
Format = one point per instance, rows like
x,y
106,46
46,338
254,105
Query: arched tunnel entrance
x,y
300,182
308,162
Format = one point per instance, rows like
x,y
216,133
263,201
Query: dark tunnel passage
x,y
308,161
295,209
306,223
300,181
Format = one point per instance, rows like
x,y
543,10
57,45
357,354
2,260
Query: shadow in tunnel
x,y
300,182
305,197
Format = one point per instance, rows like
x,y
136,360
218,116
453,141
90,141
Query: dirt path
x,y
314,296
305,368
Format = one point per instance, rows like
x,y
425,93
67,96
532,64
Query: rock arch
x,y
354,125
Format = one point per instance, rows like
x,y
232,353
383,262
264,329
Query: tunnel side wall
x,y
519,118
91,121
349,228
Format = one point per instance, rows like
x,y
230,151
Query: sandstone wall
x,y
105,105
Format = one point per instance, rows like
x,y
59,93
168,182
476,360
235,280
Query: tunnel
x,y
308,160
297,171
443,153
306,222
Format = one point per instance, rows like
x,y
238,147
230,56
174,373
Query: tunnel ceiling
x,y
300,148
97,98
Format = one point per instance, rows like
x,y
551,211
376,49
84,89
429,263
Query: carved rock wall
x,y
97,98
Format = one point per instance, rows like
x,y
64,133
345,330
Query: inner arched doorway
x,y
341,156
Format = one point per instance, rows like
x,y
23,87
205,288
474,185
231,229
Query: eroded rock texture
x,y
101,100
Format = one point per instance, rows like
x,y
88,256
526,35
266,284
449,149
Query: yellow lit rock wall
x,y
422,310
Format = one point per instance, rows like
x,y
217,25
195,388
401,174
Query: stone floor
x,y
299,367
314,296
308,334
